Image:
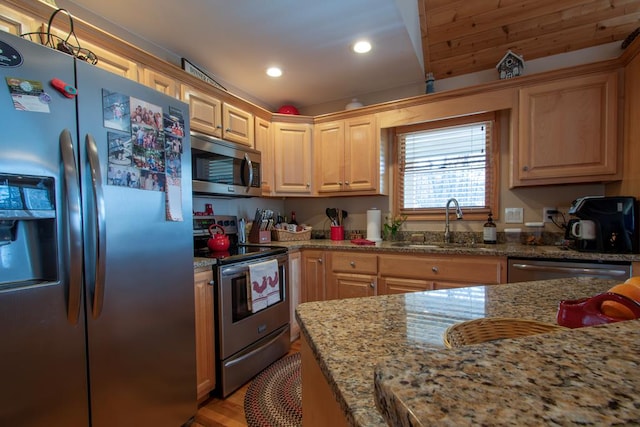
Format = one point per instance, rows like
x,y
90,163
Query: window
x,y
444,159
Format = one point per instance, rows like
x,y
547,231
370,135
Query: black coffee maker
x,y
616,223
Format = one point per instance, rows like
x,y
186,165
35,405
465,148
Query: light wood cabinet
x,y
204,320
205,111
568,131
352,274
18,23
264,144
313,275
292,159
214,117
295,281
347,156
237,125
161,82
630,184
115,64
424,272
402,285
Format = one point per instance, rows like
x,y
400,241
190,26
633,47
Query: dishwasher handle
x,y
571,270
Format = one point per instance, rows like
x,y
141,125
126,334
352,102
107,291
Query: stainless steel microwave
x,y
223,168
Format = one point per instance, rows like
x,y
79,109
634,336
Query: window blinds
x,y
441,163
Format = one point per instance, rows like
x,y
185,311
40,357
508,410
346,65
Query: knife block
x,y
259,236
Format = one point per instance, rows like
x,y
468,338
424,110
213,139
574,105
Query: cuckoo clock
x,y
511,65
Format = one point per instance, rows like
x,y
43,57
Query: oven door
x,y
239,327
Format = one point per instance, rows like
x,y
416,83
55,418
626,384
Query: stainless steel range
x,y
248,336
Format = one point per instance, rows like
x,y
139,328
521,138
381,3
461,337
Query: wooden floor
x,y
228,412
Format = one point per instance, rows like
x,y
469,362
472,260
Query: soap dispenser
x,y
489,231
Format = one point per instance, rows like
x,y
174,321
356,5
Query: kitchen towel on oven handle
x,y
265,284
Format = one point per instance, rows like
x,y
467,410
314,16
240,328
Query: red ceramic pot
x,y
587,312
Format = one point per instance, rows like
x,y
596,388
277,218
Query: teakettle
x,y
218,241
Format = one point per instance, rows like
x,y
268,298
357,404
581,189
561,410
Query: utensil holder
x,y
337,232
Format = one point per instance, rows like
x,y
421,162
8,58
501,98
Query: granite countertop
x,y
581,376
394,336
510,250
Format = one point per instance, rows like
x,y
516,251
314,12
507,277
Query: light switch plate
x,y
513,215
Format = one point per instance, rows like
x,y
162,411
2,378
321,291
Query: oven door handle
x,y
235,271
257,350
594,271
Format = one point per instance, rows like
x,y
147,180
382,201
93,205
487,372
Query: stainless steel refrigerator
x,y
96,267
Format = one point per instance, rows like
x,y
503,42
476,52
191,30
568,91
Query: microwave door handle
x,y
250,165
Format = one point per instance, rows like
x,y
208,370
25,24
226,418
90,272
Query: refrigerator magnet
x,y
27,95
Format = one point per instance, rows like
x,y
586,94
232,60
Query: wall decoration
x,y
197,72
511,65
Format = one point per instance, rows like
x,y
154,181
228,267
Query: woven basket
x,y
290,236
493,328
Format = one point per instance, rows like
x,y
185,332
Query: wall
x,y
579,57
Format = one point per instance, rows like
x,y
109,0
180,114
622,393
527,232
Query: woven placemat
x,y
274,397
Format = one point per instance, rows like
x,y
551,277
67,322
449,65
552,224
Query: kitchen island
x,y
362,354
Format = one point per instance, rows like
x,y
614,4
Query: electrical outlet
x,y
546,214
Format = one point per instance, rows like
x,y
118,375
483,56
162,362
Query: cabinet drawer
x,y
351,262
461,268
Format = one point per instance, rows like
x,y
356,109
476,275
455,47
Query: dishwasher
x,y
527,269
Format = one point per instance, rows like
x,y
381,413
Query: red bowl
x,y
288,109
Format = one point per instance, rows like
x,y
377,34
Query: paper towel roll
x,y
374,225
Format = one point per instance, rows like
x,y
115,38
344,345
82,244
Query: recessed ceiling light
x,y
362,46
274,72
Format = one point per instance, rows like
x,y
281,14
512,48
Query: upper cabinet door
x,y
161,82
205,111
568,131
292,158
264,144
361,155
237,125
347,157
329,156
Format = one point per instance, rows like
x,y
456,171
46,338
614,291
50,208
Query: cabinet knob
x,y
227,130
525,168
352,264
212,282
308,185
346,183
339,182
218,127
320,260
434,269
372,285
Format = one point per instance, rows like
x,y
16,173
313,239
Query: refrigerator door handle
x,y
100,226
72,196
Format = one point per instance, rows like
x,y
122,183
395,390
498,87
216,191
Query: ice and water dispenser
x,y
28,249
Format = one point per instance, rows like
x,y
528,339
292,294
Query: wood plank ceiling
x,y
466,36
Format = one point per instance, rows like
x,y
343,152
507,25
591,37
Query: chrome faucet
x,y
447,234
